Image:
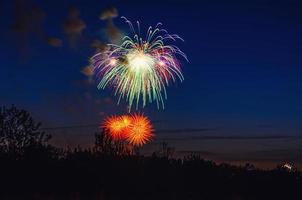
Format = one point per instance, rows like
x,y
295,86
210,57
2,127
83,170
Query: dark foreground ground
x,y
113,169
43,174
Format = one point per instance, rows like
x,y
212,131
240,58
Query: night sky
x,y
241,98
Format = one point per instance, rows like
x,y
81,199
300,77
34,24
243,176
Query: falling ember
x,y
140,130
140,69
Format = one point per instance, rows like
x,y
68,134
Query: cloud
x,y
27,21
27,17
112,31
28,26
203,153
87,70
109,13
290,154
99,46
186,130
244,137
115,35
73,26
54,42
218,137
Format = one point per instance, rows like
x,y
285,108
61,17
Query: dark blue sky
x,y
243,76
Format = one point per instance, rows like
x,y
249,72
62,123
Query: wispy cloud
x,y
220,137
203,153
185,130
74,26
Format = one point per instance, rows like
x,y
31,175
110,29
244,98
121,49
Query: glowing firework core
x,y
113,62
140,62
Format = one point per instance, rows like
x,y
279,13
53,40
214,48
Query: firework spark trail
x,y
140,69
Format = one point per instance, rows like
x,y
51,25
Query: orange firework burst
x,y
135,129
140,130
117,126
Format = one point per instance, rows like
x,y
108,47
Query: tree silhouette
x,y
18,130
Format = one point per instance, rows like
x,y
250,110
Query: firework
x,y
135,129
117,126
140,69
140,130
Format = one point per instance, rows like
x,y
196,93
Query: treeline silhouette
x,y
32,169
